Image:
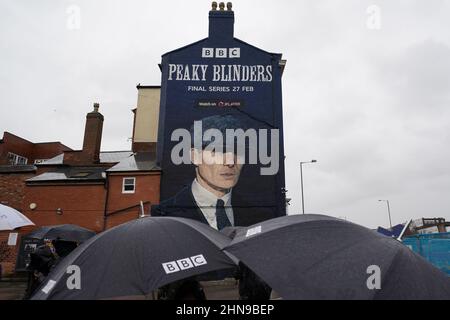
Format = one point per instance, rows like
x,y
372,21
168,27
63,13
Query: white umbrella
x,y
11,219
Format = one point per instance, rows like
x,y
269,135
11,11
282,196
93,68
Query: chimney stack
x,y
221,22
93,135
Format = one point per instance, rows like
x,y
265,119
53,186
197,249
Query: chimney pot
x,y
221,22
96,106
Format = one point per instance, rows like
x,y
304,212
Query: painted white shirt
x,y
207,201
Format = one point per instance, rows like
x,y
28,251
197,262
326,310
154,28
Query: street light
x,y
301,182
389,211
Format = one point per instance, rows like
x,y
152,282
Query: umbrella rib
x,y
200,231
387,273
213,241
348,247
326,257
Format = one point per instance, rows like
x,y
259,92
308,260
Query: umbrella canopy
x,y
66,232
138,257
231,232
320,257
11,219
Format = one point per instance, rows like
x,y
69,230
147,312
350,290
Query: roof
x,y
105,157
55,160
141,161
235,39
74,174
139,86
34,143
17,168
127,162
16,136
114,156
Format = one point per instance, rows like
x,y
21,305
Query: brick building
x,y
15,150
18,159
93,189
18,163
96,197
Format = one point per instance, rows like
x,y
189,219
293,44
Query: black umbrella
x,y
320,257
231,232
138,257
66,232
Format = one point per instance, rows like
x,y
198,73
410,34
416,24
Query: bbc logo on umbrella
x,y
184,264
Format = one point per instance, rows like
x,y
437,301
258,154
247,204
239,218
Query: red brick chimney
x,y
92,140
93,135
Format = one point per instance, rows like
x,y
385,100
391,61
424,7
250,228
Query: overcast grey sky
x,y
368,98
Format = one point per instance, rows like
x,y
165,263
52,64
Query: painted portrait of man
x,y
218,164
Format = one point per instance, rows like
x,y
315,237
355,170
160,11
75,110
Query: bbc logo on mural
x,y
221,52
184,264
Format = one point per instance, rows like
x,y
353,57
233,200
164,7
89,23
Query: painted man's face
x,y
220,171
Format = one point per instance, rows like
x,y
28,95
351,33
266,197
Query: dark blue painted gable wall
x,y
263,106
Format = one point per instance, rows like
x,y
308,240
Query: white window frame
x,y
39,161
123,185
16,158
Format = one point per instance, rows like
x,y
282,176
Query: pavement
x,y
221,290
12,289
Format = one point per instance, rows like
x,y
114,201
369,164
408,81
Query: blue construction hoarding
x,y
434,247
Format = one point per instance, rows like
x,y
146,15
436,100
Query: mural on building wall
x,y
220,140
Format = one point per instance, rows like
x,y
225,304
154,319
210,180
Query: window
x,y
129,185
15,159
38,161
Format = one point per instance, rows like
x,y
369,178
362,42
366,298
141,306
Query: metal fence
x,y
434,247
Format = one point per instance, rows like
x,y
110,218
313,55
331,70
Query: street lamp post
x,y
389,211
301,182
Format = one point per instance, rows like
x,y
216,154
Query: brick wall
x,y
7,253
123,217
77,158
27,149
82,205
17,145
12,193
146,190
12,189
144,147
48,150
